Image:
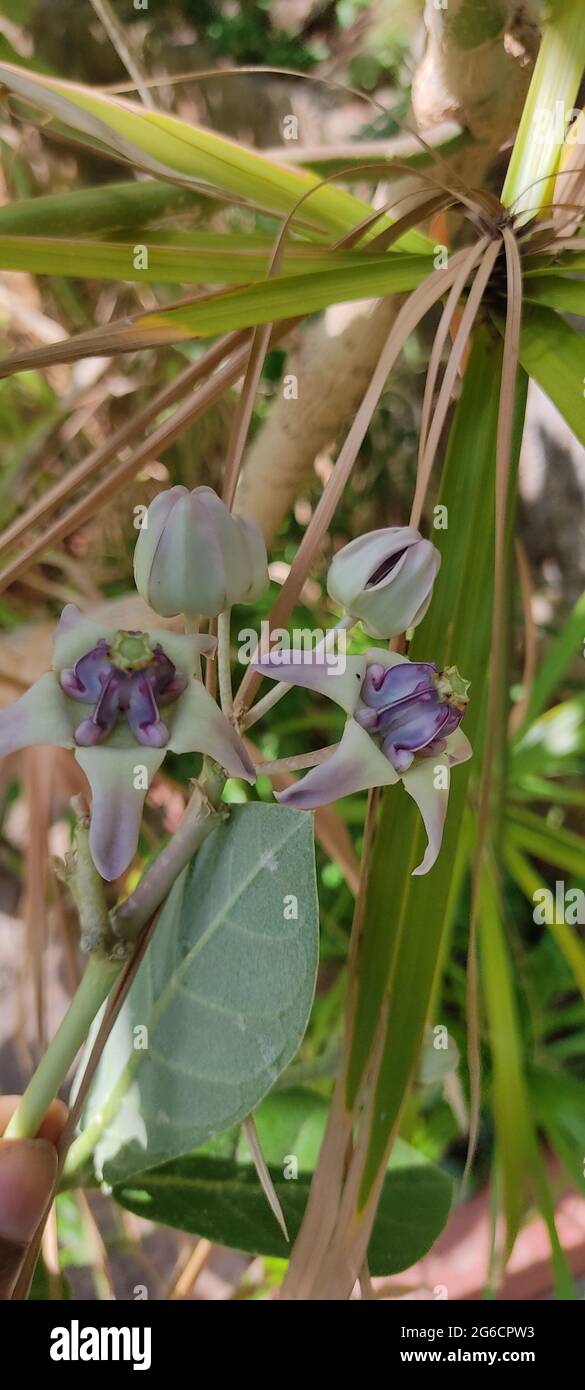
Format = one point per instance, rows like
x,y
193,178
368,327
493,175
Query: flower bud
x,y
386,579
193,556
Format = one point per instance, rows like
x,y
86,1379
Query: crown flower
x,y
403,724
385,578
194,556
120,700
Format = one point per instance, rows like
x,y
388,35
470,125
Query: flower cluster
x,y
402,725
121,699
124,679
403,716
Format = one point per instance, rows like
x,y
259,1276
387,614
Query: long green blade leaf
x,y
175,149
554,354
405,916
190,259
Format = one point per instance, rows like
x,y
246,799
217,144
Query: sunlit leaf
x,y
167,146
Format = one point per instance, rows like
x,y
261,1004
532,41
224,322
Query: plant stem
x,y
72,1032
199,819
87,889
297,762
262,706
259,709
224,670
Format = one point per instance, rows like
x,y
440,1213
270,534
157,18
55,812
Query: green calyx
x,y
452,688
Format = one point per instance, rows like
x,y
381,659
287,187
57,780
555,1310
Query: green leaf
x,y
554,354
552,745
164,145
515,1137
406,917
558,1104
224,992
564,933
220,1197
563,647
203,259
557,291
287,296
559,266
281,297
111,207
553,843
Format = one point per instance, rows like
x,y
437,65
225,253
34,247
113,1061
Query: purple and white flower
x,y
403,725
385,578
120,700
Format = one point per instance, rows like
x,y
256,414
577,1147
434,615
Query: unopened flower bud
x,y
385,578
193,556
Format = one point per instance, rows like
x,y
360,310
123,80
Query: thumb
x,y
28,1169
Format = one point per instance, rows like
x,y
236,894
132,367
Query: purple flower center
x,y
411,709
128,678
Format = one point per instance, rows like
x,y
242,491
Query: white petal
x,y
184,649
199,726
356,764
117,804
397,601
458,748
380,656
432,802
352,566
257,566
339,677
76,635
40,716
149,536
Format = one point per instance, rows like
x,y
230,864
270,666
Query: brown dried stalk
x,y
416,306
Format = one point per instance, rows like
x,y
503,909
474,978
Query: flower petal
x,y
356,764
432,801
199,726
184,649
398,682
459,749
385,578
410,732
150,534
40,716
255,548
75,636
117,803
380,656
312,670
143,715
85,680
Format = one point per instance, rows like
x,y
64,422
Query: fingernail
x,y
28,1168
